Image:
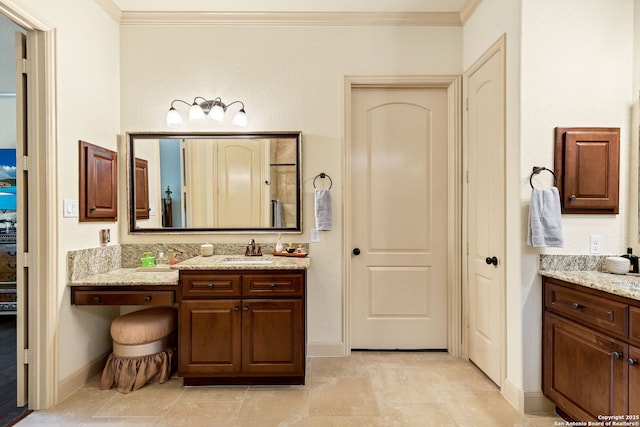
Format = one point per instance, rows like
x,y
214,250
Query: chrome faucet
x,y
252,249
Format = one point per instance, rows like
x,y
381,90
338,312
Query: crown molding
x,y
468,9
420,19
111,8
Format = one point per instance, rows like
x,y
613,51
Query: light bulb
x,y
240,119
195,112
217,112
173,118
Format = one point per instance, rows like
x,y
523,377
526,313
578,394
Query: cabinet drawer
x,y
587,309
273,285
122,297
209,285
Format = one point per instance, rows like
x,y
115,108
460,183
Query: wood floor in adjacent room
x,y
366,389
8,409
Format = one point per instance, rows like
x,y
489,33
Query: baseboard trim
x,y
75,381
527,402
325,349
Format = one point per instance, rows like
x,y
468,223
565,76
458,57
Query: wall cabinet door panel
x,y
98,183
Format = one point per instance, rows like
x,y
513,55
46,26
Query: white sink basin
x,y
245,261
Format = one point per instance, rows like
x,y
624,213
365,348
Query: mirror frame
x,y
136,136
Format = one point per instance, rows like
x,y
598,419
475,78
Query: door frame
x,y
496,47
39,311
454,192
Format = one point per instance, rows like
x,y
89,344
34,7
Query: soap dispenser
x,y
279,245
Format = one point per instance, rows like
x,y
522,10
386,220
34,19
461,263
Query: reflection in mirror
x,y
214,182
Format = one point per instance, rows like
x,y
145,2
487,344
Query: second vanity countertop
x,y
624,285
136,277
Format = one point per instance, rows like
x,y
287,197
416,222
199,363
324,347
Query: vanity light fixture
x,y
201,107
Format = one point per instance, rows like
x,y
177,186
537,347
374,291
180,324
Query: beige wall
x,y
568,64
290,78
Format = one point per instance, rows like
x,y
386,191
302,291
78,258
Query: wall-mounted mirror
x,y
214,182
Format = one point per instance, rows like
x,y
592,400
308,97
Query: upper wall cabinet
x,y
587,165
98,183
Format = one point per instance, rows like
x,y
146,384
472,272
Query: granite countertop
x,y
169,276
240,262
128,277
625,285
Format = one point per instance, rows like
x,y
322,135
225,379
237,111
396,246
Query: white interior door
x,y
485,215
399,218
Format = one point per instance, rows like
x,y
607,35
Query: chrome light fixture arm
x,y
201,107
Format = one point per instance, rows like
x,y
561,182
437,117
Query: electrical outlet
x,y
596,244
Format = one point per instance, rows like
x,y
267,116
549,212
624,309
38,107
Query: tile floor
x,y
366,389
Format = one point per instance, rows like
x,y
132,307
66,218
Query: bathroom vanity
x,y
591,344
242,322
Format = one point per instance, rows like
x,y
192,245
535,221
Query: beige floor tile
x,y
332,367
481,408
402,385
416,414
273,406
208,393
543,420
342,397
337,421
202,413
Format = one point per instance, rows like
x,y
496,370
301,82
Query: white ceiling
x,y
292,5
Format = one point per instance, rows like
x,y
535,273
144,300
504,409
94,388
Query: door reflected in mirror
x,y
214,182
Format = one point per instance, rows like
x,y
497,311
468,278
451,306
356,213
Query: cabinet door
x,y
273,337
634,380
142,189
98,183
588,168
584,372
209,337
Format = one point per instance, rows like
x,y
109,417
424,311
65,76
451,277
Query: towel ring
x,y
537,170
323,175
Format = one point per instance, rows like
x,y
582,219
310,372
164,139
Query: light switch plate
x,y
70,208
315,235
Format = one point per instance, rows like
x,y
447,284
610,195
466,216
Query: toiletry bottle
x,y
161,259
174,259
279,244
148,260
633,260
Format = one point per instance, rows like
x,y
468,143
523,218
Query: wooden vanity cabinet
x,y
590,358
238,327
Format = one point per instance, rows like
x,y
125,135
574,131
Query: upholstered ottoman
x,y
143,349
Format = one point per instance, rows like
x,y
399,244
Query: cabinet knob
x,y
616,355
210,286
92,209
272,285
245,308
572,197
147,298
576,306
236,309
96,299
632,362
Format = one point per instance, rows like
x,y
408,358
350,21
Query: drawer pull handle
x,y
577,306
210,286
96,299
245,308
272,285
616,355
147,298
236,309
632,362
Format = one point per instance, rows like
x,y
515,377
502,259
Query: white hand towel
x,y
545,219
323,210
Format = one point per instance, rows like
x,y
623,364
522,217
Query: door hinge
x,y
467,249
466,177
26,163
466,104
26,259
26,356
25,66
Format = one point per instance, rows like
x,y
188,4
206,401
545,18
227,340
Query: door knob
x,y
491,260
356,251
